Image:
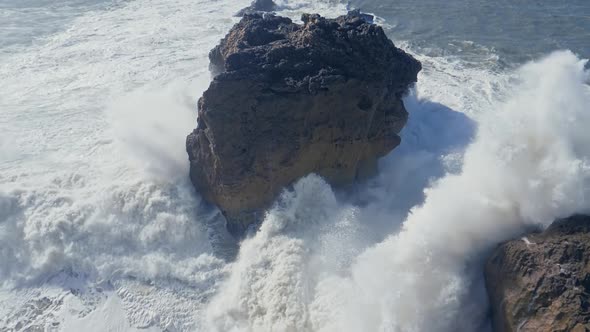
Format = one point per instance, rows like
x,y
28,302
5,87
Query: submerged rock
x,y
293,99
542,282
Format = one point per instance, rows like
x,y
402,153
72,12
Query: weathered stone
x,y
293,99
542,281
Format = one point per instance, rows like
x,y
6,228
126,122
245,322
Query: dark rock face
x,y
289,100
542,282
258,6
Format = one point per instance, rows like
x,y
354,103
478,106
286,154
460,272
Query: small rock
x,y
258,6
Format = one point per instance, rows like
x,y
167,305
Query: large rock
x,y
542,282
292,99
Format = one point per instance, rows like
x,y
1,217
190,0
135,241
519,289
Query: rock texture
x,y
292,99
542,282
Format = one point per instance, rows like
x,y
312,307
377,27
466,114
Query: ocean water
x,y
100,229
516,31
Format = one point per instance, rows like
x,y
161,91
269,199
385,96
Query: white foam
x,y
109,316
93,193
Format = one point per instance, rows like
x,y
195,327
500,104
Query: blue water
x,y
517,31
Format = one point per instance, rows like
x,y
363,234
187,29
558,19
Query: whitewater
x,y
101,230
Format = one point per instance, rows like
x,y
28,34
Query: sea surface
x,y
100,229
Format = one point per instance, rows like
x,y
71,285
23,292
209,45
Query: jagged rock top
x,y
295,57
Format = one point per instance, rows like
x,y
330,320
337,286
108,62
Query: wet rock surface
x,y
293,99
542,281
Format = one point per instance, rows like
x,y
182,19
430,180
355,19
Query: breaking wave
x,y
527,165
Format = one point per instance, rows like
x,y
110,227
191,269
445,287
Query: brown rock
x,y
289,100
542,281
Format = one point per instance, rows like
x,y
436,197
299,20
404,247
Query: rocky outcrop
x,y
292,99
542,281
258,6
